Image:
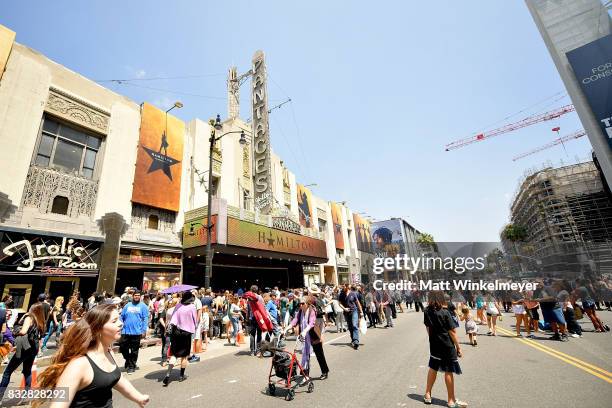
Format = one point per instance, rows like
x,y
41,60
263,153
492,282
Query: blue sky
x,y
377,89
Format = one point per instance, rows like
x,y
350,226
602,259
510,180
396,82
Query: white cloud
x,y
141,73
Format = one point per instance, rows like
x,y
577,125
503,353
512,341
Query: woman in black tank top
x,y
84,364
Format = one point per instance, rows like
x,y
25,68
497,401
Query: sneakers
x,y
194,359
324,376
564,337
182,378
166,381
531,336
556,336
355,346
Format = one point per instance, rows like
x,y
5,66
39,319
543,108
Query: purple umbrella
x,y
178,288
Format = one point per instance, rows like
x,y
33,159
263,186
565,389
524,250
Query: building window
x,y
215,186
246,196
60,205
322,226
67,148
153,222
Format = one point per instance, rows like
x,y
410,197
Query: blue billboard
x,y
592,65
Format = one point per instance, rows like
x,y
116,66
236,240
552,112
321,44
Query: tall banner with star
x,y
337,221
157,180
304,197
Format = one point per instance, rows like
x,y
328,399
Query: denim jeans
x,y
52,328
353,326
27,359
234,321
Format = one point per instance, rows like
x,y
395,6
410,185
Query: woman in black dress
x,y
84,364
443,347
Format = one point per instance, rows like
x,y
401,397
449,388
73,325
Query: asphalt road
x,y
389,370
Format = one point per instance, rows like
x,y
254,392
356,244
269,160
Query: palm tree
x,y
515,233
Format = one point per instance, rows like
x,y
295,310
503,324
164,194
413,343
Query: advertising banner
x,y
157,179
337,221
305,206
387,238
249,235
30,254
362,233
592,65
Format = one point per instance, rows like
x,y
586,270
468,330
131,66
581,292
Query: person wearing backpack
x,y
27,332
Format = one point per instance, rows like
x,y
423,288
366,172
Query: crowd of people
x,y
85,330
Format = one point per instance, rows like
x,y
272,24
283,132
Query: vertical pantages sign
x,y
592,65
362,233
262,174
157,178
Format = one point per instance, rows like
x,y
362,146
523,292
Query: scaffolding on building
x,y
568,218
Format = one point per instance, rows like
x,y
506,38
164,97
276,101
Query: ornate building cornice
x,y
73,109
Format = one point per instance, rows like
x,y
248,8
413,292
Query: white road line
x,y
196,396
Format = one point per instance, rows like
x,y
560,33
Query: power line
x,y
119,82
158,78
297,128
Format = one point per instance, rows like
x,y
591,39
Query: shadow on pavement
x,y
434,401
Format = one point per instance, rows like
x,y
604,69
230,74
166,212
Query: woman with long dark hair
x,y
84,364
27,332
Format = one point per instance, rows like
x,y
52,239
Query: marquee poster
x,y
157,179
337,222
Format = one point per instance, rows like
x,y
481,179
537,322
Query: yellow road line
x,y
589,368
594,367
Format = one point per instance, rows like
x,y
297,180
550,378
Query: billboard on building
x,y
362,233
305,206
7,37
262,167
592,65
337,223
157,179
250,235
387,238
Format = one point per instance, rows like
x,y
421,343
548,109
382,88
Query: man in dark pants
x,y
135,316
254,330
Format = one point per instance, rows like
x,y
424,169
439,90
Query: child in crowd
x,y
470,325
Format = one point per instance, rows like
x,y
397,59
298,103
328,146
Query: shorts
x,y
553,316
445,366
533,313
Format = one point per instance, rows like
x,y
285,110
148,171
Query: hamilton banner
x,y
157,179
256,236
337,221
304,198
362,233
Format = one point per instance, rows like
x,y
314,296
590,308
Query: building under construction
x,y
567,216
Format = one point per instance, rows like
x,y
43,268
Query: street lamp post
x,y
213,138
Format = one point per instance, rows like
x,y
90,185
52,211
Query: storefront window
x,y
21,295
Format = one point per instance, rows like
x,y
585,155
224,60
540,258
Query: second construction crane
x,y
528,121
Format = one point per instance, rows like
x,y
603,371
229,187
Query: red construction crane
x,y
530,120
576,135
